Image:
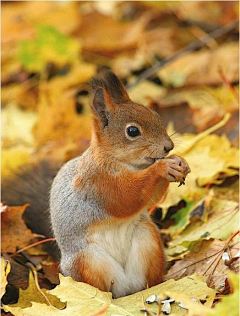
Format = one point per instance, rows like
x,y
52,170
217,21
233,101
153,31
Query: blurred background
x,y
50,51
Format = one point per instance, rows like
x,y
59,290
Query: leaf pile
x,y
50,51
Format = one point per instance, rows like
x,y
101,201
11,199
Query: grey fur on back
x,y
72,211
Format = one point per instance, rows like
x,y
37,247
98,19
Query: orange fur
x,y
127,193
156,262
85,269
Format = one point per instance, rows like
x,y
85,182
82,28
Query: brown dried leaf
x,y
206,259
14,231
111,36
51,272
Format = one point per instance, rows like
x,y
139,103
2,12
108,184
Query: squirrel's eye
x,y
133,131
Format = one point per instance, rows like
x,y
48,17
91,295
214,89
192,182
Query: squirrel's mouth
x,y
152,160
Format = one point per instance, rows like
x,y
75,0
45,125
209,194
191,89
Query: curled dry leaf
x,y
205,259
14,230
5,269
51,272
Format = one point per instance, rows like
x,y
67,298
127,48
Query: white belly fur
x,y
122,244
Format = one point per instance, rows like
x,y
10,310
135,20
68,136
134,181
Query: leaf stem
x,y
32,245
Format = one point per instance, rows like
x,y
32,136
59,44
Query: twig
x,y
32,245
229,84
231,238
191,47
35,275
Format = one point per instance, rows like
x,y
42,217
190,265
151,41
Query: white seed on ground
x,y
194,299
182,305
166,308
152,299
171,300
225,256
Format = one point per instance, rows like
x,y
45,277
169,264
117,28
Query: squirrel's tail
x,y
32,185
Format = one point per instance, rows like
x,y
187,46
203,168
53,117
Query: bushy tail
x,y
32,185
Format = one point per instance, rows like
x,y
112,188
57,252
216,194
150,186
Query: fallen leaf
x,y
84,299
32,293
14,231
205,259
229,304
144,90
216,12
202,68
19,23
17,125
192,209
222,223
111,36
50,45
5,269
228,191
58,118
211,159
51,272
193,308
14,157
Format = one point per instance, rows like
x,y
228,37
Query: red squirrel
x,y
99,200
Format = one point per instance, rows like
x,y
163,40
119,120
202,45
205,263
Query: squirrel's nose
x,y
168,147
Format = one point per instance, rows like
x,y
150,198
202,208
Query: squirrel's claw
x,y
182,182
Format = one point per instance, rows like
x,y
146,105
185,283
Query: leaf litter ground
x,y
45,96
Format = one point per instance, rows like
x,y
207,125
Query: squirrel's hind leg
x,y
146,261
96,267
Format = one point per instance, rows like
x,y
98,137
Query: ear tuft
x,y
109,81
98,105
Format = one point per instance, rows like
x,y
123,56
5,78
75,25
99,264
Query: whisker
x,y
180,129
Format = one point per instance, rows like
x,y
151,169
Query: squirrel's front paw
x,y
181,162
177,169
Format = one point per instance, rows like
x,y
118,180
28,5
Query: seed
x,y
225,256
171,300
152,299
194,299
166,308
180,304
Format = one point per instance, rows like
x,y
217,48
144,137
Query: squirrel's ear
x,y
101,105
113,87
116,88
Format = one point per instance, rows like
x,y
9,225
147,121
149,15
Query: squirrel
x,y
99,200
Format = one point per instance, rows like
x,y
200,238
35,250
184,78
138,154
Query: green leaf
x,y
49,46
182,218
222,224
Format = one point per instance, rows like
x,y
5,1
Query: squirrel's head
x,y
130,132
